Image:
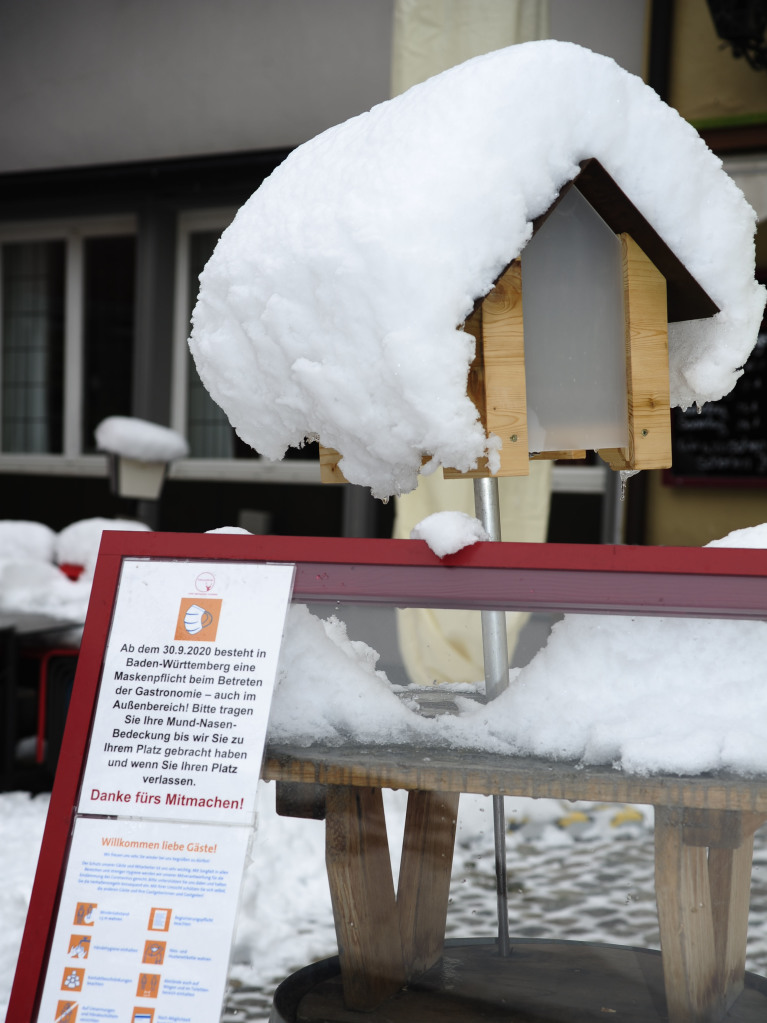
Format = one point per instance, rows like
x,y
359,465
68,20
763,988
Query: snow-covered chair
x,y
22,540
78,543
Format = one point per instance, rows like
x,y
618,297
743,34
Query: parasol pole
x,y
496,660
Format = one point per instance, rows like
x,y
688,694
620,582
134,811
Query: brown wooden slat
x,y
729,873
469,771
424,878
685,916
362,894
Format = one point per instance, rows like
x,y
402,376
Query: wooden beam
x,y
497,376
362,893
445,770
556,456
729,872
424,878
647,375
298,799
685,917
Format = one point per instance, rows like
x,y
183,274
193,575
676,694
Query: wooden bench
x,y
704,828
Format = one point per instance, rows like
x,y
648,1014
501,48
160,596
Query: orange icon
x,y
73,979
159,919
148,985
154,952
79,946
198,619
85,914
142,1015
66,1012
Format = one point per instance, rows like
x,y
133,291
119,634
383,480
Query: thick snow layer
x,y
647,695
449,531
751,537
330,305
78,543
644,694
330,690
140,439
33,541
39,587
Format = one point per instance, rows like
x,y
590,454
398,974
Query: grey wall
x,y
613,27
104,81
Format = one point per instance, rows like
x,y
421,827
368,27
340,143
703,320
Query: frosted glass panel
x,y
575,360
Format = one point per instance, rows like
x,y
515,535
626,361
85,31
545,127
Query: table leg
x,y
730,877
362,893
702,884
424,877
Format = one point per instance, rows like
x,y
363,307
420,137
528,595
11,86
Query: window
x,y
33,346
109,279
66,334
207,428
215,449
195,414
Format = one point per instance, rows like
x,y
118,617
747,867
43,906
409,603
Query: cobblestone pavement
x,y
587,878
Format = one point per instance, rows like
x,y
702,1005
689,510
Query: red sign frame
x,y
669,581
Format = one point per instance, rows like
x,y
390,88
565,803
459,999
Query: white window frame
x,y
73,232
249,470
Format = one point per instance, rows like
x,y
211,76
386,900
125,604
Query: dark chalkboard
x,y
726,442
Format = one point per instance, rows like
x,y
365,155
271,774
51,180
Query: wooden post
x,y
647,377
424,877
497,375
730,880
686,923
362,893
702,884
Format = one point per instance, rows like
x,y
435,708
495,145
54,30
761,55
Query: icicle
x,y
625,475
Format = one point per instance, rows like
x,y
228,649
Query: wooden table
x,y
704,828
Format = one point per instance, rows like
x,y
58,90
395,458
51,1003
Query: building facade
x,y
131,133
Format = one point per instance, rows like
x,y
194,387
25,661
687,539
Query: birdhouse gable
x,y
583,364
575,364
687,300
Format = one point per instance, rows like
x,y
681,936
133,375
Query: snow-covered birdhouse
x,y
572,341
527,255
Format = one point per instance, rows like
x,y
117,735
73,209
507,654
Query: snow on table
x,y
647,695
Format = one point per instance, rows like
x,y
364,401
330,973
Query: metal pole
x,y
496,657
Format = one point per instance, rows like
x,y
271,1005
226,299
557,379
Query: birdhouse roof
x,y
332,305
686,299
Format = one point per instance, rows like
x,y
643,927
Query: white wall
x,y
102,81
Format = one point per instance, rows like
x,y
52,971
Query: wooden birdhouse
x,y
572,340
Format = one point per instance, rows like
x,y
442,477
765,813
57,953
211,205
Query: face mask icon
x,y
196,619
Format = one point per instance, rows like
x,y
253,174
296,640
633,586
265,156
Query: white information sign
x,y
145,922
186,688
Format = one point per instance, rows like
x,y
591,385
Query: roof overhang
x,y
687,300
